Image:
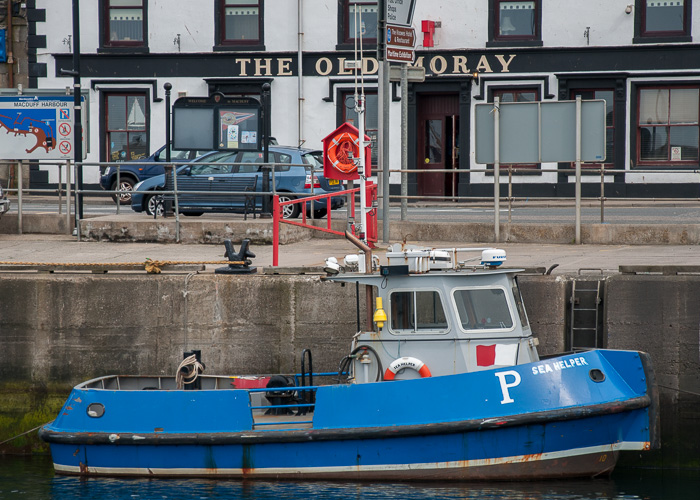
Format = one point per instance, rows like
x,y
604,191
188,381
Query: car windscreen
x,y
314,158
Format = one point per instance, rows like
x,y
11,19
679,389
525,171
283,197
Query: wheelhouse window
x,y
515,21
668,126
126,127
516,95
240,22
360,20
417,312
664,18
371,116
607,96
124,23
483,309
520,305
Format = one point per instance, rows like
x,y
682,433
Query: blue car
x,y
132,172
228,171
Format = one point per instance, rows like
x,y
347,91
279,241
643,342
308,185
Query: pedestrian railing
x,y
69,195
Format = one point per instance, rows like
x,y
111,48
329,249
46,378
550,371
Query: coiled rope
x,y
188,371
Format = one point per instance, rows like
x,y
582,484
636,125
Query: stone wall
x,y
58,330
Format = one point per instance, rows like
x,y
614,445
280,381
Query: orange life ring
x,y
407,362
338,152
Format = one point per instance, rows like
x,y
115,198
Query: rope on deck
x,y
151,266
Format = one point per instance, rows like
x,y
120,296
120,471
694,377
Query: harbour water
x,y
33,479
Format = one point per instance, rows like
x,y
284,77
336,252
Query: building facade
x,y
638,55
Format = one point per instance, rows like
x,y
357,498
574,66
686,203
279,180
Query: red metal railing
x,y
277,206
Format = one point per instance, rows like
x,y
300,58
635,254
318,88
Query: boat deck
x,y
271,422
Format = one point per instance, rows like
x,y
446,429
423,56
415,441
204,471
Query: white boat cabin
x,y
434,315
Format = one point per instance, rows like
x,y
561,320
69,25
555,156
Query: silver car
x,y
4,202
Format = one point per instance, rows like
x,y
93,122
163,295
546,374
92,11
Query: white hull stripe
x,y
362,468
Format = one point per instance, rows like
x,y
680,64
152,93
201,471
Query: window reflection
x,y
484,308
417,311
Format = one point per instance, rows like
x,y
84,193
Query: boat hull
x,y
577,448
575,440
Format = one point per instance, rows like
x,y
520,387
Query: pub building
x,y
639,56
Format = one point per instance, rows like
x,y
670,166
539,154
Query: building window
x,y
358,18
526,94
662,20
371,115
514,22
663,17
240,22
668,128
606,95
124,23
126,126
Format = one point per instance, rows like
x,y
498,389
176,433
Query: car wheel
x,y
125,187
289,211
154,205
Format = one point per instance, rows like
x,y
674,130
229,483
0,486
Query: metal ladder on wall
x,y
586,304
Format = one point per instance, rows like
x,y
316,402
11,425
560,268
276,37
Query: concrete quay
x,y
570,259
131,237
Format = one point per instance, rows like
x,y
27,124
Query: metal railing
x,y
66,185
66,172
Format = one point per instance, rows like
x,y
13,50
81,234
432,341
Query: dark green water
x,y
33,479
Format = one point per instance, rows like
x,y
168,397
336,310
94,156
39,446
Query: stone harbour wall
x,y
57,330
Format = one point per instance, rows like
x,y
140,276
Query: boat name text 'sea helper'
x,y
515,379
559,365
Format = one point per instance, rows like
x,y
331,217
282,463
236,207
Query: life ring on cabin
x,y
407,362
339,152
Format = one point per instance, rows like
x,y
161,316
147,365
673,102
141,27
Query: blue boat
x,y
444,384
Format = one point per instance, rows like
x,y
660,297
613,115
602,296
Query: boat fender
x,y
407,362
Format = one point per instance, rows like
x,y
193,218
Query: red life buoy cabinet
x,y
342,151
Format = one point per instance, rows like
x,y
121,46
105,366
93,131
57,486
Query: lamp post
x,y
266,211
77,114
168,205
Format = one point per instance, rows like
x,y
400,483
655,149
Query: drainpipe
x,y
300,83
10,60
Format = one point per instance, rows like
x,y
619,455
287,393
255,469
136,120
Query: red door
x,y
438,149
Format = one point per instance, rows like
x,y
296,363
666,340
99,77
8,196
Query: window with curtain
x,y
240,22
125,23
360,20
664,17
668,126
516,20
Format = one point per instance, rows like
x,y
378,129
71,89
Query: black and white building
x,y
640,56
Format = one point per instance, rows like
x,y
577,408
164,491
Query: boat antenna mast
x,y
360,111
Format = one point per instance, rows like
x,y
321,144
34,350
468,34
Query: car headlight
x,y
138,185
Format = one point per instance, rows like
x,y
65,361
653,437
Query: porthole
x,y
96,410
596,375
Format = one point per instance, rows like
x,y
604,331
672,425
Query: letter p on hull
x,y
505,385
